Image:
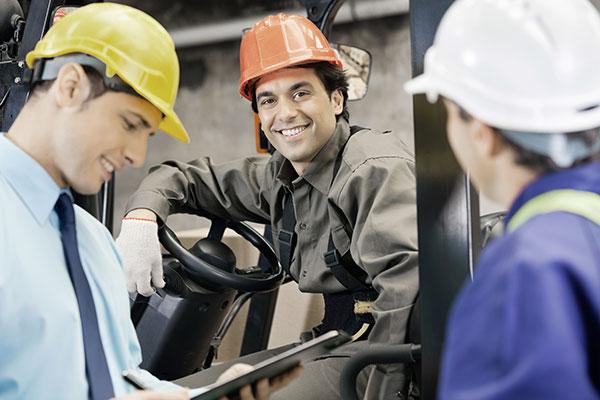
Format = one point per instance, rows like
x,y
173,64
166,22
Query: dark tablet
x,y
277,365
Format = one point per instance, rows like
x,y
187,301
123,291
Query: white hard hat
x,y
521,65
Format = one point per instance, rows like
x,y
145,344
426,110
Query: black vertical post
x,y
447,205
260,313
35,27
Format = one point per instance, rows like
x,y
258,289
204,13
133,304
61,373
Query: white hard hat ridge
x,y
523,65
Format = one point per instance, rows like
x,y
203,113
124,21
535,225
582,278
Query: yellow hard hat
x,y
132,44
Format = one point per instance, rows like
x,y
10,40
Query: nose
x,y
135,150
286,110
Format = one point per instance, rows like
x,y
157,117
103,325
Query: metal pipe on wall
x,y
232,29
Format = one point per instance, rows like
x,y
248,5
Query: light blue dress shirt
x,y
41,344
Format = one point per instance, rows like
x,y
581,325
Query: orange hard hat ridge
x,y
277,42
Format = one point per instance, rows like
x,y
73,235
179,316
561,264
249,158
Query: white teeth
x,y
292,132
108,166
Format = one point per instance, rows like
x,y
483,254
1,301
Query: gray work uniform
x,y
370,210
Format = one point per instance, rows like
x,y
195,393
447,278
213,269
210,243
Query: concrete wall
x,y
220,123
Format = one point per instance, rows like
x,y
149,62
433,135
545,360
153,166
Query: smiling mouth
x,y
293,131
107,165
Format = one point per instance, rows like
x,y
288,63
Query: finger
x,y
263,389
131,285
234,371
285,378
179,395
144,287
154,395
246,393
157,277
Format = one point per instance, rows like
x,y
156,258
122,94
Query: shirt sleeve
x,y
378,200
516,331
236,190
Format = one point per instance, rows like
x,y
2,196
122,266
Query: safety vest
x,y
579,202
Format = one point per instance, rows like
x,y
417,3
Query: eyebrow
x,y
299,85
142,122
295,86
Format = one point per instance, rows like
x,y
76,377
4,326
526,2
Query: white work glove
x,y
140,251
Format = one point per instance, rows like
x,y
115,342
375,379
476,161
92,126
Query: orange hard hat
x,y
280,41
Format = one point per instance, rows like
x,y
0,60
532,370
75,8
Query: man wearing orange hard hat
x,y
340,200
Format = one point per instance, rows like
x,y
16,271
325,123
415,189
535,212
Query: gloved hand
x,y
140,251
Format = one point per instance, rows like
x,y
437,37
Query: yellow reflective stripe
x,y
580,202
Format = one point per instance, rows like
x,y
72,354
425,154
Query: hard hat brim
x,y
423,83
419,84
171,125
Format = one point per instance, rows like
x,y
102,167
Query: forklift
x,y
181,325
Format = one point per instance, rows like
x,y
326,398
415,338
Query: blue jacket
x,y
528,326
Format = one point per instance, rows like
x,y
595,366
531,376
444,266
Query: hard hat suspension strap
x,y
47,69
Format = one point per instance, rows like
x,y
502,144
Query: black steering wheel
x,y
205,273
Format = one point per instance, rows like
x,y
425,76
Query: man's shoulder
x,y
557,241
370,144
89,223
8,197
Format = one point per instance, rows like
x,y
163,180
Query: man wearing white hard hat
x,y
520,82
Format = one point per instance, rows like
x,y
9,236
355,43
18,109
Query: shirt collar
x,y
31,182
585,177
319,172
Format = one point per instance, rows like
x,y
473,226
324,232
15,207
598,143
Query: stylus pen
x,y
134,380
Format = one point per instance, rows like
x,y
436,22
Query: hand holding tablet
x,y
266,376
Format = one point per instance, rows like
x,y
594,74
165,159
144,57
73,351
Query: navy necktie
x,y
96,368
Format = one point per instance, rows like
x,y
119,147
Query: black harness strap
x,y
339,310
287,234
343,267
349,274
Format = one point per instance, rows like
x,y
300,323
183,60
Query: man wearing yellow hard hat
x,y
340,201
98,92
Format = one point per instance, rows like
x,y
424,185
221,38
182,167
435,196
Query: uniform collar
x,y
585,177
30,181
319,172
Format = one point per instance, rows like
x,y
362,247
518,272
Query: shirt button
x,y
302,226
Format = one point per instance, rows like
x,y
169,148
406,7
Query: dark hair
x,y
535,161
97,85
332,77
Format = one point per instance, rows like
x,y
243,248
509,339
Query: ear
x,y
72,86
337,99
488,142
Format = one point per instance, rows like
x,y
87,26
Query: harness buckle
x,y
286,237
332,258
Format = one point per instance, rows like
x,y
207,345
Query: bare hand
x,y
155,395
264,387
